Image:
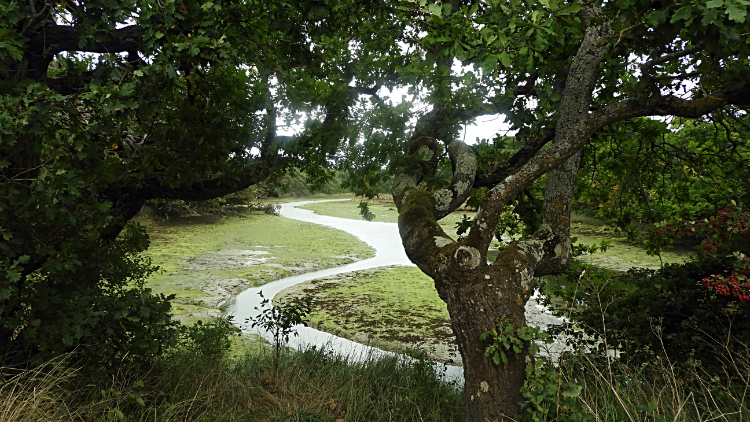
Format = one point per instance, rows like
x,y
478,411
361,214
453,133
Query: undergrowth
x,y
313,385
614,390
316,385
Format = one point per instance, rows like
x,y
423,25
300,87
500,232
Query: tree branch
x,y
669,57
498,172
53,39
667,105
646,67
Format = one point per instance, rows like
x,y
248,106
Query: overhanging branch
x,y
53,39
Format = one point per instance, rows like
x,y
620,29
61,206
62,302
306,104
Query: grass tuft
x,y
36,394
314,385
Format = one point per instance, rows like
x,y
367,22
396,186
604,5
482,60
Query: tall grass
x,y
36,394
316,385
659,390
312,385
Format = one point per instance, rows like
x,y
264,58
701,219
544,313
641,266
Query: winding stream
x,y
384,238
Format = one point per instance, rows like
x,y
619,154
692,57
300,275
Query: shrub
x,y
682,309
210,339
93,303
646,311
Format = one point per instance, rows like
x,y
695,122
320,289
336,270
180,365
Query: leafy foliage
x,y
163,101
546,395
724,238
364,211
97,306
281,319
643,171
211,339
646,312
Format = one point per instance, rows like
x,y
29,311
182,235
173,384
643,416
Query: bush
x,y
210,339
681,309
94,301
645,311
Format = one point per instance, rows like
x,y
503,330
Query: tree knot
x,y
467,257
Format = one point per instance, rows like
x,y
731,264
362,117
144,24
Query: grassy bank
x,y
309,386
383,208
315,385
206,260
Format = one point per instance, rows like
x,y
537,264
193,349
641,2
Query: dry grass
x,y
661,390
37,394
311,386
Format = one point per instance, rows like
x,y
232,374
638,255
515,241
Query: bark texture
x,y
479,296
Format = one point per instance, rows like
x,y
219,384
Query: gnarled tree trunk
x,y
479,295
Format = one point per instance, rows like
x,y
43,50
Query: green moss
x,y
391,307
621,255
384,209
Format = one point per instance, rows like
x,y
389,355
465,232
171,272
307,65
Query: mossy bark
x,y
479,296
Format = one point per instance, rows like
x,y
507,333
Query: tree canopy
x,y
106,105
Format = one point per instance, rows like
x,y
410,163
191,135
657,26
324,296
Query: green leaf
x,y
436,10
505,59
682,13
708,17
571,9
575,390
735,13
657,16
503,38
714,4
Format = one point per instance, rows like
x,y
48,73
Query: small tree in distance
x,y
280,320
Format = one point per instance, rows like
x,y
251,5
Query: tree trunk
x,y
479,296
478,301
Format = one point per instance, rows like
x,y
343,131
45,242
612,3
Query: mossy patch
x,y
388,307
398,307
622,254
206,260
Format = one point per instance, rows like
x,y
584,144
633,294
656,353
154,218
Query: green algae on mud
x,y
206,260
622,255
392,308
